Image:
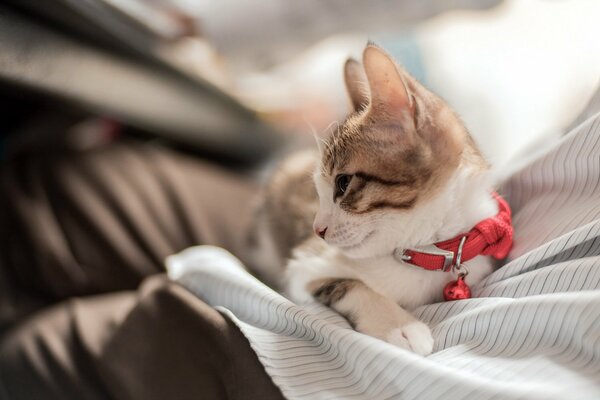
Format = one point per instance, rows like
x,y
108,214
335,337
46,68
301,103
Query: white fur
x,y
361,247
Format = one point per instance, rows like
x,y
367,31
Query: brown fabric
x,y
52,354
159,343
100,221
75,226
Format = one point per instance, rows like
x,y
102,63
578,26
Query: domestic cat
x,y
400,174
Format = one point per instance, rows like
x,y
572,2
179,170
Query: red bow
x,y
492,236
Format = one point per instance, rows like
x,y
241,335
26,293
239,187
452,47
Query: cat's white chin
x,y
356,254
366,252
360,249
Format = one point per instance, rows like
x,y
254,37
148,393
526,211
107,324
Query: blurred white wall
x,y
517,72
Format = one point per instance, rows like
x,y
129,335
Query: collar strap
x,y
492,236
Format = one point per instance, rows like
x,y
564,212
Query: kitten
x,y
401,172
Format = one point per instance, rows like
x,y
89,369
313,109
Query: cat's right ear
x,y
356,84
390,96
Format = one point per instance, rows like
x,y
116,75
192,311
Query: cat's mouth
x,y
358,244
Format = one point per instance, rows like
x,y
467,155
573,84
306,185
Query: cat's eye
x,y
341,184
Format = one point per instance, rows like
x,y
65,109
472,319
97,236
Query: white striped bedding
x,y
532,330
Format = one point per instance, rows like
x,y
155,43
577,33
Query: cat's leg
x,y
373,314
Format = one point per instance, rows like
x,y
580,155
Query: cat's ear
x,y
390,96
356,84
319,142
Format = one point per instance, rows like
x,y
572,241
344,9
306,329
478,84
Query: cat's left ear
x,y
356,84
390,95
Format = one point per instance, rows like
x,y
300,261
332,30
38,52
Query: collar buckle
x,y
429,249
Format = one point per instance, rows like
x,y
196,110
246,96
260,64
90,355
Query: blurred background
x,y
236,81
133,129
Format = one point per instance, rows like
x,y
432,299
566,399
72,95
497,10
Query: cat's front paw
x,y
414,336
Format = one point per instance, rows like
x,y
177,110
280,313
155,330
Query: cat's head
x,y
380,170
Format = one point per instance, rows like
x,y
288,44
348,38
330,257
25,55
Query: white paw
x,y
414,336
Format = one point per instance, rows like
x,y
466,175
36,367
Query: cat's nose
x,y
321,232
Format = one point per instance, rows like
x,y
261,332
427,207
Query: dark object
x,y
85,54
78,233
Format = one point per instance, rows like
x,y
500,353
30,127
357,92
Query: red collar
x,y
492,236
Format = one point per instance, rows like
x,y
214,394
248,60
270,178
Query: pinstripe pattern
x,y
532,331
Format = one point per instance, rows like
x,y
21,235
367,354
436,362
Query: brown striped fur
x,y
330,291
401,171
396,160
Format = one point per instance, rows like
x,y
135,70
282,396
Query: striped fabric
x,y
532,331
